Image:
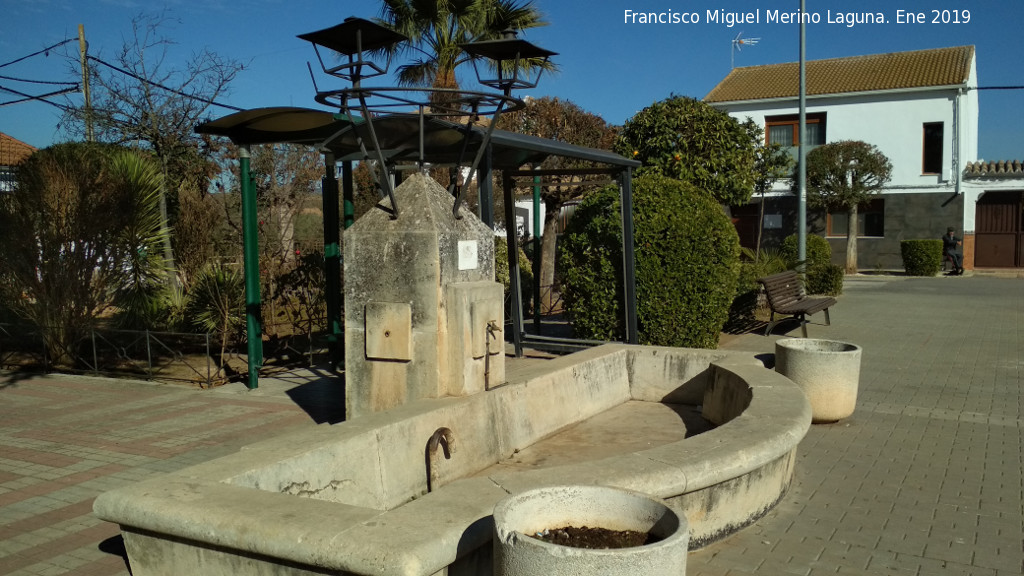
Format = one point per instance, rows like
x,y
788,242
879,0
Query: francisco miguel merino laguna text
x,y
730,19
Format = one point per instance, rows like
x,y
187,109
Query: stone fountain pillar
x,y
423,314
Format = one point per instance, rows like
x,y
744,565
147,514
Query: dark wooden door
x,y
999,230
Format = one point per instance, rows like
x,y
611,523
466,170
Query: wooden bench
x,y
786,296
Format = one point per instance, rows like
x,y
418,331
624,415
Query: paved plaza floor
x,y
925,477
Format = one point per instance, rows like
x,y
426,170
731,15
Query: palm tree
x,y
436,28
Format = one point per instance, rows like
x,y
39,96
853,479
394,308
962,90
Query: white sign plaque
x,y
468,259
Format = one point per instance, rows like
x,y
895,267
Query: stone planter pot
x,y
828,372
516,554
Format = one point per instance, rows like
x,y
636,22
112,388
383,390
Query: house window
x,y
932,162
870,220
7,179
784,130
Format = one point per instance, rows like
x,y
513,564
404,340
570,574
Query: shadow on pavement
x,y
323,398
115,546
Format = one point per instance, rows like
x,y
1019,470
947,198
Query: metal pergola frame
x,y
408,139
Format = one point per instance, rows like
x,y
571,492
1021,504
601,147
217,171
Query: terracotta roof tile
x,y
998,169
13,151
919,68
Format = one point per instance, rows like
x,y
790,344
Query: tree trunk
x,y
172,269
760,230
547,261
285,217
851,241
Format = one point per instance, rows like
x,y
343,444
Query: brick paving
x,y
66,439
925,478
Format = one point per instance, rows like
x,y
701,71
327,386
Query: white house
x,y
919,108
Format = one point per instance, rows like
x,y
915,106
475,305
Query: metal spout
x,y
444,438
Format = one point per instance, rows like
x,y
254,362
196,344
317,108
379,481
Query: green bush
x,y
825,279
689,140
819,251
822,277
525,273
687,264
921,257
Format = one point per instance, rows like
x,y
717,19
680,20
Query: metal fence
x,y
152,355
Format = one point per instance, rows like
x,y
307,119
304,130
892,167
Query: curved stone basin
x,y
352,498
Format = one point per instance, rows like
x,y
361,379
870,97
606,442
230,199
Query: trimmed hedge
x,y
823,277
826,279
687,264
921,257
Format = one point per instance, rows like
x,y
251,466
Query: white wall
x,y
893,121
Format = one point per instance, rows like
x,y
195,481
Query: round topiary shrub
x,y
687,264
921,257
819,251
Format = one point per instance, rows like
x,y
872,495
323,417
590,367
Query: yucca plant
x,y
140,281
216,303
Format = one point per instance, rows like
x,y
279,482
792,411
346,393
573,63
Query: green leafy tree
x,y
564,121
841,176
687,264
436,29
80,235
688,140
771,163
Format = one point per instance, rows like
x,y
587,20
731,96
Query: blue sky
x,y
607,66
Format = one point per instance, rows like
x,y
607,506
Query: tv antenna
x,y
737,46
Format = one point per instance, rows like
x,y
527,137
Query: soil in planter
x,y
595,538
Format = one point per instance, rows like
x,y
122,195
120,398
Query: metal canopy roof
x,y
399,136
354,35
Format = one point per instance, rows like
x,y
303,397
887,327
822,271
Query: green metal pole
x,y
251,256
801,230
332,259
348,190
537,253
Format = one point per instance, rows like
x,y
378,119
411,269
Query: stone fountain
x,y
437,431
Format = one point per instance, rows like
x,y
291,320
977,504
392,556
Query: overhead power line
x,y
58,44
28,81
41,98
998,88
162,87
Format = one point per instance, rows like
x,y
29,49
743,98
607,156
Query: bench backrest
x,y
783,289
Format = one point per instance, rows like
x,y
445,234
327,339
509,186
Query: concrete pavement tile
x,y
958,550
910,544
938,567
886,562
992,555
867,538
784,567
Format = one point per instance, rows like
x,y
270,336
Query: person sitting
x,y
949,244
